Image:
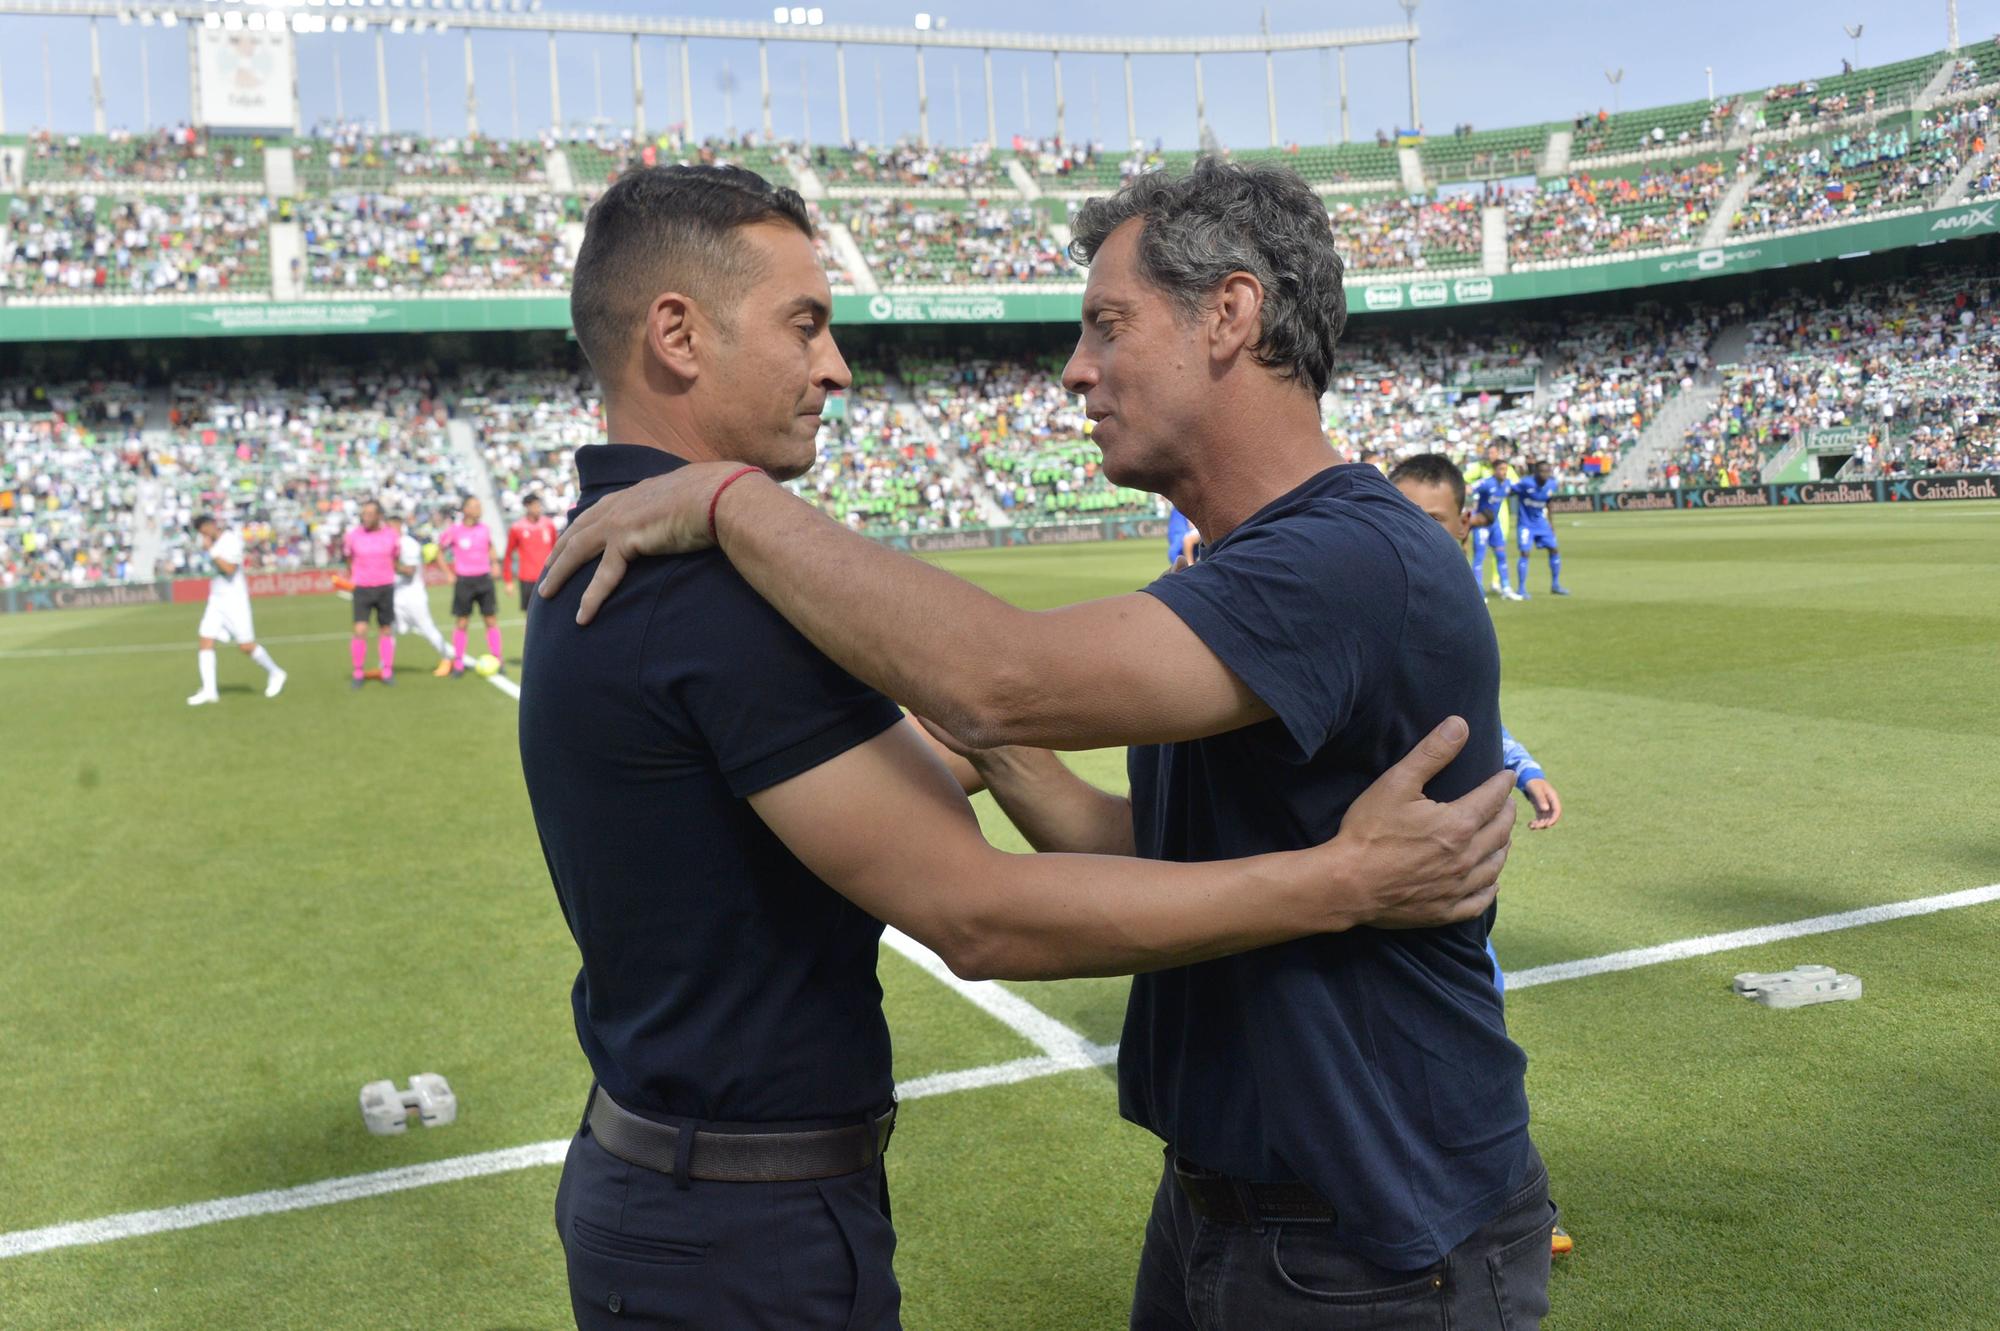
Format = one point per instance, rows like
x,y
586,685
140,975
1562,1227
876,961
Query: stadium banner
x,y
22,600
1637,501
1828,492
1924,489
23,322
1839,439
969,307
31,321
246,77
1726,496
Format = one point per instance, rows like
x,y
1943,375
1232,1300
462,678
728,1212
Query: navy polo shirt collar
x,y
602,465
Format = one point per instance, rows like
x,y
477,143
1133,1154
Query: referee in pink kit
x,y
468,548
371,566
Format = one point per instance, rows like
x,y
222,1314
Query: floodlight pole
x,y
805,105
992,121
1131,111
381,83
1061,135
194,74
764,84
638,92
555,89
339,101
146,81
1951,25
471,94
1346,134
1200,105
298,106
923,102
687,96
424,78
1409,8
1271,94
96,83
840,79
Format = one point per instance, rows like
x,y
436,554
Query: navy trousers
x,y
1204,1275
643,1253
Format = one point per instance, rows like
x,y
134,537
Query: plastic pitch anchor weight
x,y
1801,986
386,1110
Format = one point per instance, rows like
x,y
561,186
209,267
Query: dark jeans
x,y
721,1256
1204,1275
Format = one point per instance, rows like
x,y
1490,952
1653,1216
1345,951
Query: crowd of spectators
x,y
1398,233
1916,363
1574,393
161,156
909,165
352,156
1584,215
915,243
373,243
74,245
1854,175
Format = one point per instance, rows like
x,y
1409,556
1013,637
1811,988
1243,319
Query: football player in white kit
x,y
228,615
412,600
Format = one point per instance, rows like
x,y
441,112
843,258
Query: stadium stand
x,y
1686,127
350,158
907,166
1394,233
161,157
75,246
1486,154
1895,166
1585,215
919,243
1853,91
375,243
596,158
1916,361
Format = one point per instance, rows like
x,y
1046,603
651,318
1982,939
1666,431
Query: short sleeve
x,y
766,702
229,546
407,552
347,542
1304,610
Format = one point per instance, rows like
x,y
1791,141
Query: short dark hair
x,y
1221,218
372,500
664,227
200,520
1431,469
531,499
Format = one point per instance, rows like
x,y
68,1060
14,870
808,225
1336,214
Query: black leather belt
x,y
737,1157
1235,1201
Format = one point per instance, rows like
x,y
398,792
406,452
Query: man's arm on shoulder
x,y
1120,671
884,824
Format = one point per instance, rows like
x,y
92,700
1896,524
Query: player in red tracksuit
x,y
528,544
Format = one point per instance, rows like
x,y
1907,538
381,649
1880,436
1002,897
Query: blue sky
x,y
1484,61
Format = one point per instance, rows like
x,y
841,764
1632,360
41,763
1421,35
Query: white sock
x,y
434,638
263,658
205,658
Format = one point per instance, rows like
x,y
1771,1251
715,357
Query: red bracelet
x,y
716,498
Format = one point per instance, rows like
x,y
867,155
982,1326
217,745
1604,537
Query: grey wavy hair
x,y
1222,218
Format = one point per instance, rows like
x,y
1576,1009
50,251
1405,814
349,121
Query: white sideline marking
x,y
136,1224
1058,1043
1768,933
505,685
133,1224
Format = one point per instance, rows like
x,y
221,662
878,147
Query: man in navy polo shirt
x,y
729,818
1345,1115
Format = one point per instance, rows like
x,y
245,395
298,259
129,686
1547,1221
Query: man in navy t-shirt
x,y
1344,1114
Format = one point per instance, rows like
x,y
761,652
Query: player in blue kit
x,y
1182,538
1488,497
1531,497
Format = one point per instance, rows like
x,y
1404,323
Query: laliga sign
x,y
1967,220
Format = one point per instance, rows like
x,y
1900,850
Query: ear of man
x,y
1236,319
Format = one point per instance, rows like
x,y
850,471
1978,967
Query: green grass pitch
x,y
217,923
